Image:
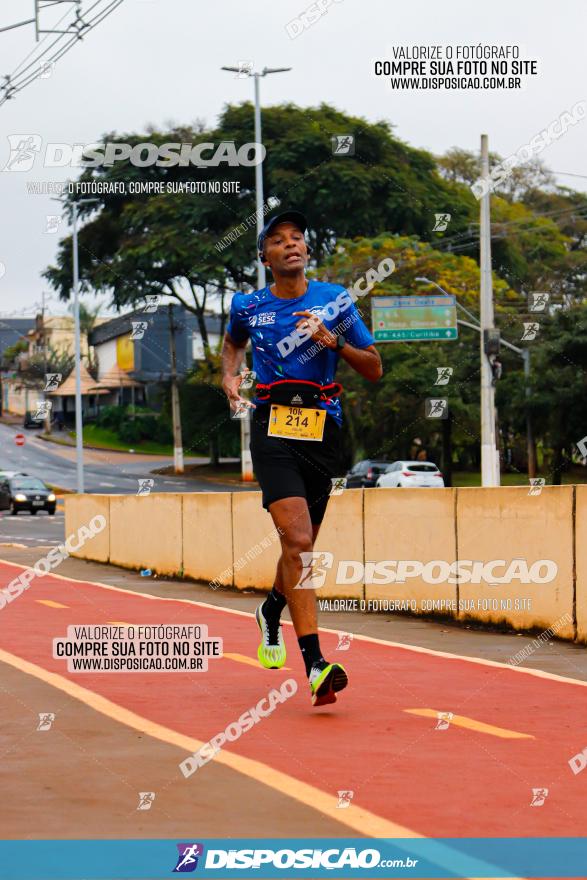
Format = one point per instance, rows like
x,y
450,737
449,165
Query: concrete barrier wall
x,y
79,511
342,536
229,539
581,561
207,537
509,524
255,542
146,532
401,524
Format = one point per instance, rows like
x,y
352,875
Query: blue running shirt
x,y
278,352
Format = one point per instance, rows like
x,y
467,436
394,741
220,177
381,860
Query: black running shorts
x,y
295,468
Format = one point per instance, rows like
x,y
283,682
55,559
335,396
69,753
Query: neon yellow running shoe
x,y
271,651
326,679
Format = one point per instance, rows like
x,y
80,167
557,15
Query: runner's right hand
x,y
230,386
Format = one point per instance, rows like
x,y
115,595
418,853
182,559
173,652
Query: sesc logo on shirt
x,y
262,319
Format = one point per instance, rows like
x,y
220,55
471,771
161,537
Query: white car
x,y
411,474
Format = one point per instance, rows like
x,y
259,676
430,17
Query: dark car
x,y
30,422
364,474
21,492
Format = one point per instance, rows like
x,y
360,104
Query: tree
x,y
383,419
31,372
530,251
87,322
206,421
199,248
87,317
558,385
568,210
171,244
464,166
11,353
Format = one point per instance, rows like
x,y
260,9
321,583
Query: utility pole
x,y
524,353
489,453
242,71
79,428
48,416
175,411
531,445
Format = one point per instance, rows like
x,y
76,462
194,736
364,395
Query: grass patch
x,y
105,438
466,478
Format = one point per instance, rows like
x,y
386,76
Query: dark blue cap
x,y
294,217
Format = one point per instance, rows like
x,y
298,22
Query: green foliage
x,y
10,354
380,202
138,245
131,431
558,388
383,419
111,417
206,424
135,425
87,316
32,372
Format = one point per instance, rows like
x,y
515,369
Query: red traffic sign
x,y
19,439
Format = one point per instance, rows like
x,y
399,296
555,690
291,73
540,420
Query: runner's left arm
x,y
362,357
366,361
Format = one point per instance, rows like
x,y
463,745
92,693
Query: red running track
x,y
439,783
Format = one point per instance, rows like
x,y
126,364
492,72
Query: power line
x,y
113,4
46,37
570,174
552,215
11,89
16,71
455,243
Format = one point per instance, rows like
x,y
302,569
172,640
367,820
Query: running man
x,y
299,330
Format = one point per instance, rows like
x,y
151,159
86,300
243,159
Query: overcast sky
x,y
152,61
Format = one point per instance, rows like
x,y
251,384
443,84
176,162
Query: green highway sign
x,y
404,318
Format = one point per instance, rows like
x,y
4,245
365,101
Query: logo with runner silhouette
x,y
189,854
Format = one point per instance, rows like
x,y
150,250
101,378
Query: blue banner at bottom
x,y
292,858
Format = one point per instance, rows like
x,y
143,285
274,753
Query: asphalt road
x,y
41,530
105,472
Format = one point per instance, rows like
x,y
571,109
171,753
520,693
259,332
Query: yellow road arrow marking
x,y
472,724
50,603
356,819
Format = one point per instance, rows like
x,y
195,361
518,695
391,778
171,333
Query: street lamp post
x,y
79,447
258,181
245,71
489,453
444,293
